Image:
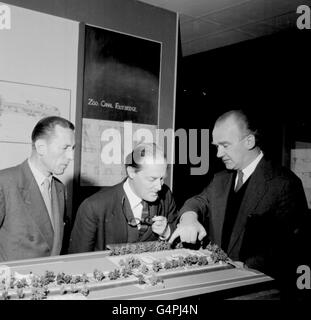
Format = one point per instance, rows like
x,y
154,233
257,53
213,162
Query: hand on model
x,y
189,229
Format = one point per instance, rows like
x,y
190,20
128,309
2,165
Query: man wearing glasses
x,y
141,208
254,210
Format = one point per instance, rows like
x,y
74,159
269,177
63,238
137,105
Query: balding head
x,y
245,124
146,170
235,140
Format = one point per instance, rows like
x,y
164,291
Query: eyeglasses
x,y
134,222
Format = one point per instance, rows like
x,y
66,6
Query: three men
x,y
141,208
254,210
32,199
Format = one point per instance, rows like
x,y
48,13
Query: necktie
x,y
240,181
46,193
144,215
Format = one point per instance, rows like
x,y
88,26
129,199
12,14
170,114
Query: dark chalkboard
x,y
121,77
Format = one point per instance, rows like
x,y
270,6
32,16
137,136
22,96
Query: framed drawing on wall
x,y
297,149
21,107
121,86
301,165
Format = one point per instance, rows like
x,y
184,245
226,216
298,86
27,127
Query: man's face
x,y
147,182
231,144
58,150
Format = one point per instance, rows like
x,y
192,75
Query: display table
x,y
176,285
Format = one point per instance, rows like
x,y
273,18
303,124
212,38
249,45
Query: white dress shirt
x,y
137,207
134,200
247,172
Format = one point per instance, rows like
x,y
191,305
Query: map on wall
x,y
21,107
104,145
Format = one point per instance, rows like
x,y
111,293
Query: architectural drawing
x,y
301,165
104,145
23,105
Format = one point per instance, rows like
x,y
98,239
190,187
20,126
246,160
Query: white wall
x,y
39,49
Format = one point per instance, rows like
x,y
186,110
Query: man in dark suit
x,y
254,210
140,209
32,200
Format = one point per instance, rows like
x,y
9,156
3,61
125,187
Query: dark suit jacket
x,y
269,221
25,227
101,219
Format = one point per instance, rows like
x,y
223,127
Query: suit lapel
x,y
35,205
121,208
221,200
254,193
124,233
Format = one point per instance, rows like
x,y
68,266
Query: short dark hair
x,y
46,126
140,153
247,123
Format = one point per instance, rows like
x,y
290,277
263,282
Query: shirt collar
x,y
132,197
251,167
38,175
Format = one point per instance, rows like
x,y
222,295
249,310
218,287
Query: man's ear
x,y
131,172
250,141
40,146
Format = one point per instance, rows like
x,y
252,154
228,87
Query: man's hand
x,y
189,229
159,225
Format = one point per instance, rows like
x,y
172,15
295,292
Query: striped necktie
x,y
144,214
47,198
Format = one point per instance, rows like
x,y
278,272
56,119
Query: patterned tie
x,y
240,181
144,214
47,198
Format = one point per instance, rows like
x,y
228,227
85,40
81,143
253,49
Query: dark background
x,y
269,77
